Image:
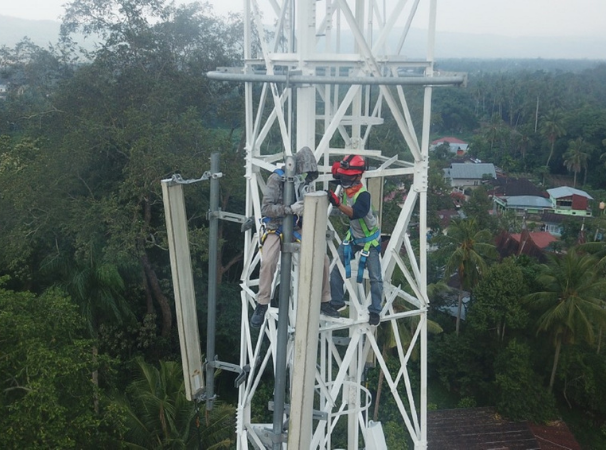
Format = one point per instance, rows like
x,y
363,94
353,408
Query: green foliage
x,y
469,249
497,301
576,157
46,394
467,402
396,435
520,393
583,373
438,196
571,301
462,364
479,206
90,141
388,408
263,395
96,286
572,297
159,416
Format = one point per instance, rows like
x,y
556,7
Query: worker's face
x,y
311,176
348,181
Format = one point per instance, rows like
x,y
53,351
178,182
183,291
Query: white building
x,y
469,175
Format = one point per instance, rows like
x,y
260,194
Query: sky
x,y
515,18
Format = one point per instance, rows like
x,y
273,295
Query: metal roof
x,y
566,191
528,201
472,171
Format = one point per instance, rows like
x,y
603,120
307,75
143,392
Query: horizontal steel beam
x,y
302,79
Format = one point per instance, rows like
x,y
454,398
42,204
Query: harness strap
x,y
370,239
265,220
295,234
368,242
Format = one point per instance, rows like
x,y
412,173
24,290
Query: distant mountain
x,y
40,32
462,45
448,44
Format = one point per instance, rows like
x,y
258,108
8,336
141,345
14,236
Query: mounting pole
x,y
282,341
213,242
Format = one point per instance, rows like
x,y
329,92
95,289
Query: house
x,y
520,195
554,223
570,201
469,175
3,91
515,187
542,239
533,244
446,216
523,204
455,145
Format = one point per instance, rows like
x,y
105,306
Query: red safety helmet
x,y
352,165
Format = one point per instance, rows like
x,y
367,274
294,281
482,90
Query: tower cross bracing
x,y
327,74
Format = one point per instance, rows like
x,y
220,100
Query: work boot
x,y
257,318
374,318
327,309
338,306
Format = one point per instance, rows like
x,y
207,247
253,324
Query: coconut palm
x,y
160,417
469,249
551,129
597,249
575,158
524,142
571,302
96,287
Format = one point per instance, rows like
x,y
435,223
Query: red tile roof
x,y
541,238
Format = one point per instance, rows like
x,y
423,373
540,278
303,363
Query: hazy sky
x,y
502,17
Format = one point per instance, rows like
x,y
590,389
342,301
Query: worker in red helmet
x,y
363,235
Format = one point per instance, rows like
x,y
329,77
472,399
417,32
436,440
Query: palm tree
x,y
468,248
94,284
160,417
552,129
494,130
571,301
576,157
524,142
96,287
598,250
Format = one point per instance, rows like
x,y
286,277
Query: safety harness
x,y
370,239
278,231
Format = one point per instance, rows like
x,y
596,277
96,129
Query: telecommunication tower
x,y
327,74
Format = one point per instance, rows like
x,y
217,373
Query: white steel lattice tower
x,y
325,74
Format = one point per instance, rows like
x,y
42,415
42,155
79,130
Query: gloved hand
x,y
297,208
333,199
